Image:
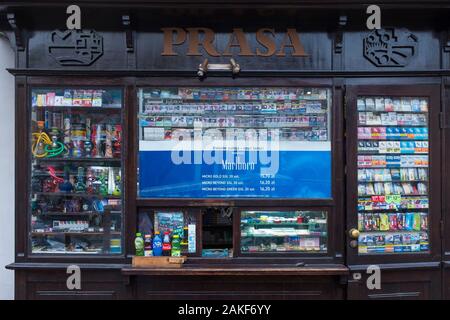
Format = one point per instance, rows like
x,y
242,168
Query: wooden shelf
x,y
72,194
79,108
83,213
192,270
53,233
93,159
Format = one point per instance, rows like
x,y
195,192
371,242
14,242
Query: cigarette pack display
x,y
299,115
392,175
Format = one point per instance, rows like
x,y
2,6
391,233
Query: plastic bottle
x,y
148,249
176,246
139,244
157,245
184,238
167,246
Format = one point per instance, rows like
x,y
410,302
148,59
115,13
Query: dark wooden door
x,y
393,226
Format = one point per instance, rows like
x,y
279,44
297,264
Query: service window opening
x,y
217,233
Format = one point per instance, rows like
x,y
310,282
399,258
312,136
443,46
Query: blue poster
x,y
301,173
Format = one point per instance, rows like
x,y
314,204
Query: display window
x,y
234,142
283,231
393,175
76,171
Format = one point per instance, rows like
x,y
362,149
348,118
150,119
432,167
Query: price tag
x,y
394,198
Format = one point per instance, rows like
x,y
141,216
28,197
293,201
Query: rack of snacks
x,y
283,231
76,171
393,175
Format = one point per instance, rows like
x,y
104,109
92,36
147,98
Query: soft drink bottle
x,y
167,246
176,246
157,245
148,249
139,244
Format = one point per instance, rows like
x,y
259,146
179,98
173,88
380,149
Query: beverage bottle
x,y
148,249
157,245
176,246
139,244
184,238
167,247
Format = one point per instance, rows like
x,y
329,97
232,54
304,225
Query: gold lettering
x,y
169,42
207,42
292,40
241,42
266,41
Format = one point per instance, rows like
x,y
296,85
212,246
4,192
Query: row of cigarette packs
x,y
388,161
400,221
409,147
294,107
270,122
292,134
388,104
392,119
224,94
390,243
392,188
396,174
384,203
81,98
383,133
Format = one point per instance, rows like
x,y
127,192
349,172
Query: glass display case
x,y
76,171
283,231
236,142
393,175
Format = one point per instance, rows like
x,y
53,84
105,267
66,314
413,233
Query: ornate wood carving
x,y
390,47
12,20
75,47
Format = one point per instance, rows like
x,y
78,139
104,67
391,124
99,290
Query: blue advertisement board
x,y
296,174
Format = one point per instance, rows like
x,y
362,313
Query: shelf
x,y
86,213
72,233
393,140
392,181
204,127
69,194
392,167
391,154
393,210
321,234
384,195
386,111
93,159
230,100
393,125
79,108
230,113
280,224
97,252
392,232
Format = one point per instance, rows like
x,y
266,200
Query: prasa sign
x,y
266,39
